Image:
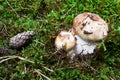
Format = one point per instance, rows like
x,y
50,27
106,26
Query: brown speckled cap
x,y
90,26
65,40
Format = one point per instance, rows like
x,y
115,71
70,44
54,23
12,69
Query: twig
x,y
6,58
56,51
12,8
13,57
90,67
68,11
21,58
111,78
48,69
39,42
38,71
3,57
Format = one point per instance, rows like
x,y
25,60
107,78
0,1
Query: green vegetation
x,y
47,18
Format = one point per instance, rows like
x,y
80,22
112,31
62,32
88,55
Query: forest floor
x,y
39,60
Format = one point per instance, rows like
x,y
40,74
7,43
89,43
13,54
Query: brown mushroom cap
x,y
90,26
65,40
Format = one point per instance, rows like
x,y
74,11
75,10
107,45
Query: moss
x,y
47,18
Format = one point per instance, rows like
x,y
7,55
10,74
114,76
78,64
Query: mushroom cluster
x,y
88,28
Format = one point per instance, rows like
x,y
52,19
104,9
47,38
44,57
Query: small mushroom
x,y
90,26
65,40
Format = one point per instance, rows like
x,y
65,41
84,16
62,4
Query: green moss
x,y
47,18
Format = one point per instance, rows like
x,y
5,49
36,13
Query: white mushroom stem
x,y
82,47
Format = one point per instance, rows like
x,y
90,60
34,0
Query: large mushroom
x,y
90,26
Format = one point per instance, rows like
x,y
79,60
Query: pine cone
x,y
6,51
21,39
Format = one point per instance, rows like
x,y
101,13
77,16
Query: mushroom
x,y
73,44
65,40
90,27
